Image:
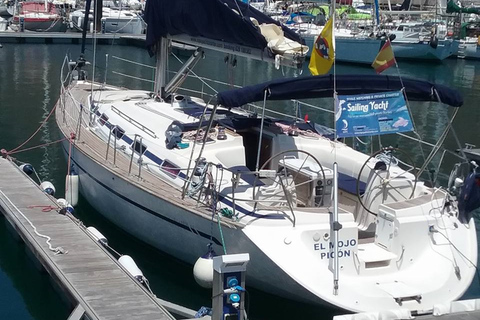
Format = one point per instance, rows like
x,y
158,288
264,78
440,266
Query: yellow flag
x,y
384,59
321,59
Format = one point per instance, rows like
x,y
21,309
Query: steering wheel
x,y
304,165
385,182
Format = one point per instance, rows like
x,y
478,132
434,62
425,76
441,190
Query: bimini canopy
x,y
322,87
212,19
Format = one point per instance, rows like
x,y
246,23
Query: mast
x,y
85,26
161,67
98,15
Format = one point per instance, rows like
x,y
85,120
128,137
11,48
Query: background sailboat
x,y
40,16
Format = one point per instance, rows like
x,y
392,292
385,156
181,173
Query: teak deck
x,y
88,143
87,273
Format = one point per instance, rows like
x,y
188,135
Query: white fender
x,y
71,189
128,263
97,235
203,272
48,187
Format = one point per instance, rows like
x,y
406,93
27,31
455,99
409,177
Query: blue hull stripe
x,y
136,204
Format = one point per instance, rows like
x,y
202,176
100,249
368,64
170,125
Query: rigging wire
x,y
238,7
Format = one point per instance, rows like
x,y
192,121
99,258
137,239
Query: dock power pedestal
x,y
228,302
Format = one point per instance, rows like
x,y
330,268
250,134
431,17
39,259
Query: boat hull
x,y
290,260
468,50
129,26
364,51
176,230
41,24
49,25
352,50
5,11
424,51
110,24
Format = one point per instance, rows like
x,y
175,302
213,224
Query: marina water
x,y
29,89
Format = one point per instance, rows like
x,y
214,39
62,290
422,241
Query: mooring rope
x,y
221,234
35,147
33,135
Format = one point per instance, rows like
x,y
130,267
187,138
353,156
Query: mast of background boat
x,y
377,16
335,225
85,26
80,63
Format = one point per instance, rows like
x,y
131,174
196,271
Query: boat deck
x,y
472,153
92,278
88,143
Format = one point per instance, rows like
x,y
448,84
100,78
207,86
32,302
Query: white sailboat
x,y
180,173
113,21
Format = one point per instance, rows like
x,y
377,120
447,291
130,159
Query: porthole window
x,y
118,132
139,147
103,119
170,168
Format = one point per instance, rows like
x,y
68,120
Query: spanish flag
x,y
384,59
323,54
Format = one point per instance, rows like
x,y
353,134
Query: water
x,y
29,88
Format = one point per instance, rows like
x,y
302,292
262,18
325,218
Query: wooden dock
x,y
137,40
58,37
93,280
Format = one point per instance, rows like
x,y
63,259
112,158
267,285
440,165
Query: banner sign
x,y
372,114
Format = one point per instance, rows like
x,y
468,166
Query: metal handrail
x,y
135,122
140,157
114,146
132,77
108,144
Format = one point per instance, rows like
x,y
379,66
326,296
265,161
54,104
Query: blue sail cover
x,y
212,19
322,87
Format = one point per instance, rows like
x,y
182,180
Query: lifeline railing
x,y
205,84
206,189
296,116
112,143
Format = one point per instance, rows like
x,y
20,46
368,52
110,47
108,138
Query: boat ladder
x,y
461,50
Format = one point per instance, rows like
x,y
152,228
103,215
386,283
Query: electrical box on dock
x,y
228,302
